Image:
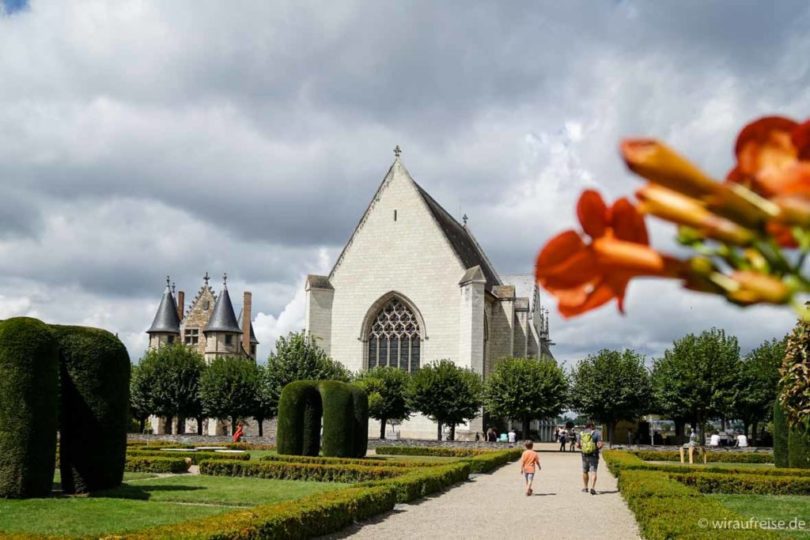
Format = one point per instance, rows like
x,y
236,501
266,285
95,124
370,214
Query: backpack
x,y
587,443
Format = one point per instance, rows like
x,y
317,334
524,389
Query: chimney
x,y
181,308
246,309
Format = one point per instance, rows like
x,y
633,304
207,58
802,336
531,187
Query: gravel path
x,y
495,506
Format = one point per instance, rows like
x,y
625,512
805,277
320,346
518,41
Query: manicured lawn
x,y
417,458
147,502
57,477
771,507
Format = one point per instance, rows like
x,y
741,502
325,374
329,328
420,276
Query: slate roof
x,y
166,319
461,239
525,286
223,318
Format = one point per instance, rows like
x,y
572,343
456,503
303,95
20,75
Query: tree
x,y
228,389
794,385
611,386
446,393
526,389
139,404
170,378
297,358
387,389
265,406
695,379
757,384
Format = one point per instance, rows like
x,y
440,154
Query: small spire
x,y
464,219
397,151
174,289
206,278
225,280
168,281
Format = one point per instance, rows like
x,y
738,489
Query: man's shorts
x,y
590,462
529,476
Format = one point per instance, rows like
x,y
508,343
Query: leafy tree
x,y
757,384
387,389
170,377
297,358
526,389
794,385
447,394
265,404
611,386
228,389
139,398
695,379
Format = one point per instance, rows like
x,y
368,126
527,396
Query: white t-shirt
x,y
512,436
715,440
742,440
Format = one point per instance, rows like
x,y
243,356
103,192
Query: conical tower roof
x,y
223,318
166,319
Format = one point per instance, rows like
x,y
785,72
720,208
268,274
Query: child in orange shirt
x,y
528,461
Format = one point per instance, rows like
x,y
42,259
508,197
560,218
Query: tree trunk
x,y
679,425
199,425
181,425
382,428
143,424
611,432
261,428
233,425
526,423
439,431
168,428
746,425
723,423
754,426
452,432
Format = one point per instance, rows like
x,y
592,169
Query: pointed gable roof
x,y
166,319
223,319
459,237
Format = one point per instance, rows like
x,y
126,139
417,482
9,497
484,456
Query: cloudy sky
x,y
139,139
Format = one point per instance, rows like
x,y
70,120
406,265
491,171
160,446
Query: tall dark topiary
x,y
28,407
360,428
338,418
299,419
94,378
799,448
780,436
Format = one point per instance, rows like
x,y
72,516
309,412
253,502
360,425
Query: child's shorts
x,y
529,476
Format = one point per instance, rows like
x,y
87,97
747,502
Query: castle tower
x,y
165,329
222,333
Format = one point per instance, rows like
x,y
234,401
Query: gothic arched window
x,y
394,338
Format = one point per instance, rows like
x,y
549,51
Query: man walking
x,y
589,442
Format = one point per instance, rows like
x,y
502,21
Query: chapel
x,y
412,285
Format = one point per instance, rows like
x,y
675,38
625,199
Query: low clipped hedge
x,y
94,385
753,484
666,509
298,471
29,375
711,456
160,443
312,516
438,451
248,446
320,460
156,464
422,482
195,457
618,460
489,461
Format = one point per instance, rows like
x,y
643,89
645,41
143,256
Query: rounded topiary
x,y
360,418
28,407
338,418
799,448
299,419
94,408
780,436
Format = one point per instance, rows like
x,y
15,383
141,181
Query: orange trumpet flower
x,y
584,276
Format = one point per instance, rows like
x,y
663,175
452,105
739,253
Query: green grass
x,y
771,507
147,502
417,458
57,477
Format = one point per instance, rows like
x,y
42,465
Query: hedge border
x,y
195,457
369,462
157,464
624,460
711,456
431,451
312,472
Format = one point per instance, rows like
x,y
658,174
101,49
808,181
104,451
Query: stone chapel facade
x,y
412,285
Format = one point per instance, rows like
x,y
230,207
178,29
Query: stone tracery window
x,y
394,338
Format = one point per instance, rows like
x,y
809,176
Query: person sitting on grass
x,y
528,462
589,442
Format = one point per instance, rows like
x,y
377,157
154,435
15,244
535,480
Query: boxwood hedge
x,y
29,361
799,448
730,456
780,436
298,471
156,464
195,457
94,375
298,431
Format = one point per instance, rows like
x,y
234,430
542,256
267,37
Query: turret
x,y
165,329
222,333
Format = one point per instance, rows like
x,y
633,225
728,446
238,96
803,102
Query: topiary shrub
x,y
799,448
94,378
299,419
29,361
360,428
780,436
345,419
